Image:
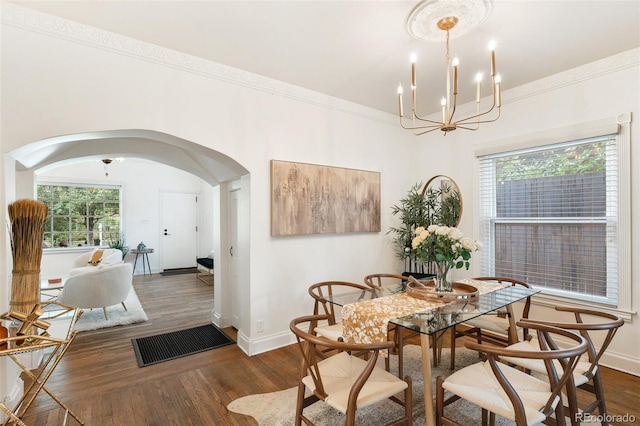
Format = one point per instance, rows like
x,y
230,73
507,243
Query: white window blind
x,y
548,216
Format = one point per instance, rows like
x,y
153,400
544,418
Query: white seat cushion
x,y
340,371
537,365
478,385
331,332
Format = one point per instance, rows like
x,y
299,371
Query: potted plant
x,y
436,203
121,244
414,211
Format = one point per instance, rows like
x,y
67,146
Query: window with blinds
x,y
548,216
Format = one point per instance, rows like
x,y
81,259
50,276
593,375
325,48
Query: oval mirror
x,y
444,201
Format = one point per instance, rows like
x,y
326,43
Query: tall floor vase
x,y
27,219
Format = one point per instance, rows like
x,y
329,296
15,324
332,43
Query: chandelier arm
x,y
426,131
480,114
453,111
439,123
467,128
480,121
435,126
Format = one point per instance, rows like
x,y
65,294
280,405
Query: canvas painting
x,y
315,199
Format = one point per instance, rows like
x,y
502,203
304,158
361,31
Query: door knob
x,y
231,250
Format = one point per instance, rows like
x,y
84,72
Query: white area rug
x,y
278,408
94,319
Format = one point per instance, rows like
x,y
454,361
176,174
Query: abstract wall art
x,y
315,199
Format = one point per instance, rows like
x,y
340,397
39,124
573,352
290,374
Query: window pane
x,y
95,208
554,196
61,223
78,194
60,239
558,256
59,207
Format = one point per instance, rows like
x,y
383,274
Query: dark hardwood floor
x,y
99,378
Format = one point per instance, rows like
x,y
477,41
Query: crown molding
x,y
601,67
32,20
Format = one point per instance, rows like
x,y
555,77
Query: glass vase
x,y
442,277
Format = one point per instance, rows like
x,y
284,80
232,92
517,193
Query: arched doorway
x,y
215,168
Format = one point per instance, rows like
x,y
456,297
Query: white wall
x,y
142,182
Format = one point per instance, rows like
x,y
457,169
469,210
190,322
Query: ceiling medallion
x,y
422,23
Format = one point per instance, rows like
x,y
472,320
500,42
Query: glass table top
x,y
434,320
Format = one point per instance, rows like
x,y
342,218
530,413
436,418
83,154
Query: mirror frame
x,y
455,186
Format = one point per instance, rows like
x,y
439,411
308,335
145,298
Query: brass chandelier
x,y
421,125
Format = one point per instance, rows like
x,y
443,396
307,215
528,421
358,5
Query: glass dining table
x,y
431,319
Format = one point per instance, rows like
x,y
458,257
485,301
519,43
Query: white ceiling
x,y
359,50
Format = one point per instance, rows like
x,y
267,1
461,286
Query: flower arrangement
x,y
446,247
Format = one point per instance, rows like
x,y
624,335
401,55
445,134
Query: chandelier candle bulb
x,y
400,100
414,58
455,75
443,102
492,48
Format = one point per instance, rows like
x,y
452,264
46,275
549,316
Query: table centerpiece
x,y
447,248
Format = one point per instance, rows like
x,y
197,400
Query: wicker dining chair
x,y
344,381
587,373
499,389
494,327
319,292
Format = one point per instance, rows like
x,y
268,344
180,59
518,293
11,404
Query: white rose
x,y
455,234
443,230
432,228
468,243
419,230
478,245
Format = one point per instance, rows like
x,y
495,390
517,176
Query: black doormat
x,y
163,347
179,271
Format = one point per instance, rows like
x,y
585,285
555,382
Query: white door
x,y
179,230
234,199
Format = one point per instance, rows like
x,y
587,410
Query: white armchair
x,y
108,256
100,287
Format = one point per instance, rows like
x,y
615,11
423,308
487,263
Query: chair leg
x,y
299,405
439,401
452,365
400,342
124,306
104,309
572,401
408,401
599,392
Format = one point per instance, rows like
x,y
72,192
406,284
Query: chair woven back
x,y
320,291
